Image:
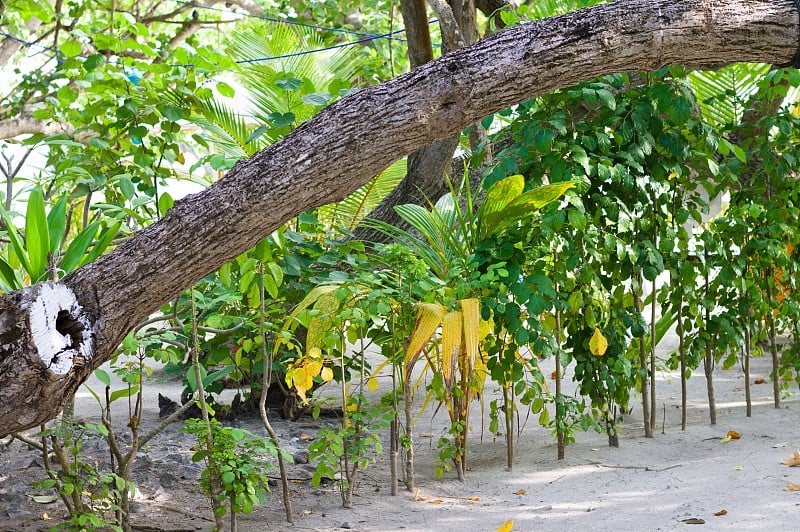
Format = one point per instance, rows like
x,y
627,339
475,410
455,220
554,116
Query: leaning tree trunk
x,y
52,336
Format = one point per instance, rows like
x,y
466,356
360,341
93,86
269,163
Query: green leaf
x,y
165,203
607,98
216,375
526,204
77,248
127,188
317,98
192,379
289,84
93,61
37,235
277,273
257,132
124,392
225,89
100,246
102,376
498,196
9,276
228,477
71,48
57,223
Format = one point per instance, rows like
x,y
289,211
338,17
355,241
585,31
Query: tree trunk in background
x,y
429,168
52,336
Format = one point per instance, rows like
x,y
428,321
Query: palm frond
x,y
723,95
287,44
352,210
226,128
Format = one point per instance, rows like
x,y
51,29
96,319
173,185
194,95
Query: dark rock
x,y
189,472
167,480
175,458
14,511
346,525
300,457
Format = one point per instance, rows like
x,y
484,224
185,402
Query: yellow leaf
x,y
792,487
506,527
429,316
45,517
598,343
738,468
470,309
372,384
181,158
732,434
473,500
451,344
437,501
520,492
326,374
313,368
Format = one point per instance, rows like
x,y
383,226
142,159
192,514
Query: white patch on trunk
x,y
56,349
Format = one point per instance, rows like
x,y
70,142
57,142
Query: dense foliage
x,y
608,204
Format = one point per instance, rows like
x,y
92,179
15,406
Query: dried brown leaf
x,y
732,434
760,380
305,436
720,513
437,501
520,492
792,487
794,460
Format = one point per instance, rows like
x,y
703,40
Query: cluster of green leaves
x,y
237,458
93,493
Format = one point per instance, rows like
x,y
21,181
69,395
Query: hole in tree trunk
x,y
69,326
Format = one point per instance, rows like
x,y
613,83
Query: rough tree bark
x,y
52,336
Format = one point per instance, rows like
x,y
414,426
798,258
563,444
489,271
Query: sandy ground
x,y
677,479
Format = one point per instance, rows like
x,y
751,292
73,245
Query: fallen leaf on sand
x,y
426,435
721,512
553,375
46,517
305,436
738,389
792,487
437,501
794,460
732,435
519,492
694,521
738,468
760,380
506,527
45,499
473,500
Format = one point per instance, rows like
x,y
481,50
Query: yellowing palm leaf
x,y
429,316
470,309
451,344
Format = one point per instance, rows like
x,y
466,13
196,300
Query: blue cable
x,y
282,21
